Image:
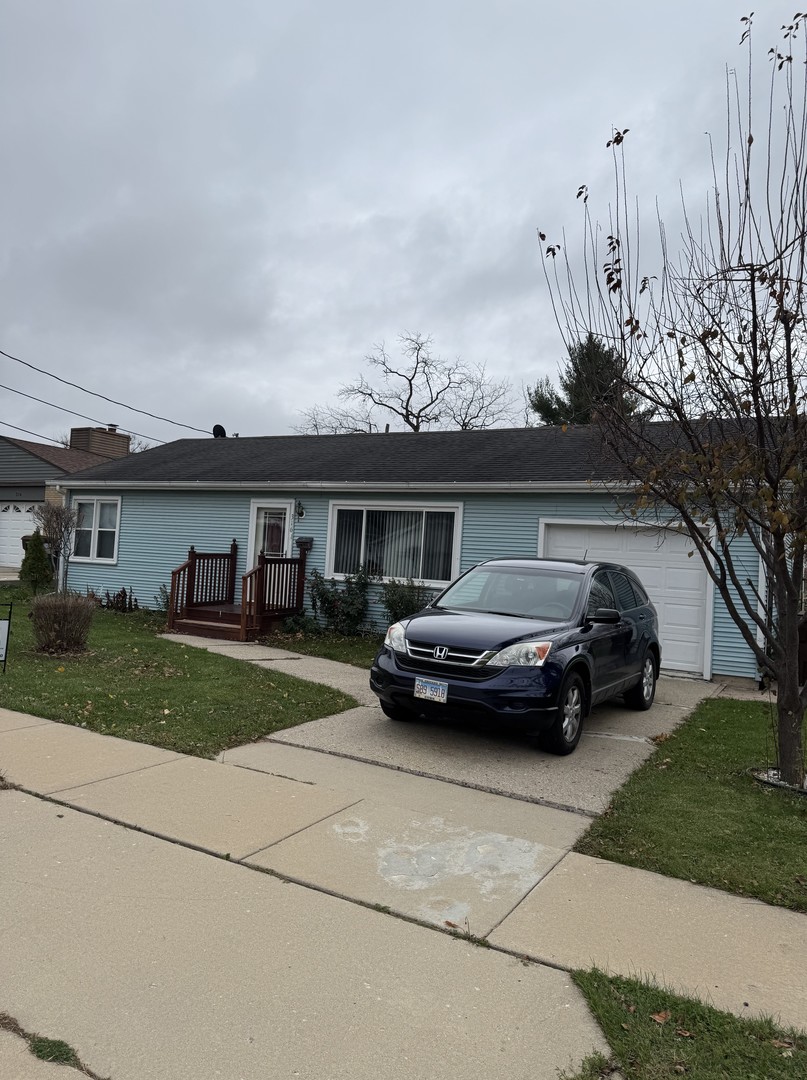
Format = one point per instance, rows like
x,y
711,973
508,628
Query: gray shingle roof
x,y
69,461
546,454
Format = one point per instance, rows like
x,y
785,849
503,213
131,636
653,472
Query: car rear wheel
x,y
564,735
642,694
394,713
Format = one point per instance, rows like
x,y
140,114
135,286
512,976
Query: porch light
x,y
299,509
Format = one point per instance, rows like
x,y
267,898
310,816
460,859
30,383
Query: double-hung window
x,y
395,542
96,538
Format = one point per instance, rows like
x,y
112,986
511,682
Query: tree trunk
x,y
790,713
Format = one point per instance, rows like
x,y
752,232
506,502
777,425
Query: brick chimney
x,y
106,442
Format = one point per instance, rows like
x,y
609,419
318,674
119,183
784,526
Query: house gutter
x,y
541,487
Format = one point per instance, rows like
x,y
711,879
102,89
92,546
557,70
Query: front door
x,y
271,532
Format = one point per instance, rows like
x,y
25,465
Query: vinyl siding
x,y
157,528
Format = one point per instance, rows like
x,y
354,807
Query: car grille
x,y
465,663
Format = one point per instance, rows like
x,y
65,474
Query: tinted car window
x,y
515,591
639,589
601,594
623,589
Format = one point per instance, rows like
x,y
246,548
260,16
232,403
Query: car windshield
x,y
510,590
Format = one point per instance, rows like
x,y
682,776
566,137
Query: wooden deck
x,y
203,595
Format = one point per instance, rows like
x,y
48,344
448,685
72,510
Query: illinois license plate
x,y
431,690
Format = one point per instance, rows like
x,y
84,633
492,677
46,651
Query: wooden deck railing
x,y
273,587
206,577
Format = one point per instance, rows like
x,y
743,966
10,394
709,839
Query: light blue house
x,y
426,506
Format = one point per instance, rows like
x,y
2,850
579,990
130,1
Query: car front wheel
x,y
642,694
564,735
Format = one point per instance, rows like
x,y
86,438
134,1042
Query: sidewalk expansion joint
x,y
302,829
646,739
488,790
115,776
286,879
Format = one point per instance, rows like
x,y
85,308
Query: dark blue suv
x,y
533,643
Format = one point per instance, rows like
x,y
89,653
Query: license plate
x,y
431,690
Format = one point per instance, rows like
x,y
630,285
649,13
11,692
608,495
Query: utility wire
x,y
72,412
47,438
103,397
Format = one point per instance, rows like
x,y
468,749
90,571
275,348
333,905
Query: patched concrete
x,y
51,757
155,961
422,795
420,866
13,721
736,954
217,807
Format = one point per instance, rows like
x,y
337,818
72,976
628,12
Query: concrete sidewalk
x,y
247,916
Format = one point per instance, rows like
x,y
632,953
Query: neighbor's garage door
x,y
675,582
15,522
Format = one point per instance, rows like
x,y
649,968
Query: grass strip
x,y
135,685
692,811
655,1035
53,1050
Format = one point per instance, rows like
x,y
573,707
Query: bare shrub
x,y
61,622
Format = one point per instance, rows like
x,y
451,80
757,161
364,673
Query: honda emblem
x,y
440,652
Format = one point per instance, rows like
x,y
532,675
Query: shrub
x,y
303,625
342,604
162,600
402,598
37,569
61,622
120,601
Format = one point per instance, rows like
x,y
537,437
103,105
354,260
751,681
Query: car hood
x,y
476,629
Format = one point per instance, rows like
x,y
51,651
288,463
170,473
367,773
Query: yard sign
x,y
5,627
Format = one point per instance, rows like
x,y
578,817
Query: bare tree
x,y
713,346
57,523
480,401
419,391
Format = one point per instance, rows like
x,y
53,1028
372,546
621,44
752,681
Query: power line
x,y
47,438
74,413
103,397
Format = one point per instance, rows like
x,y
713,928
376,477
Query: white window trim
x,y
96,499
454,508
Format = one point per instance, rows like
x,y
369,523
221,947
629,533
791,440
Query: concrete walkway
x,y
279,911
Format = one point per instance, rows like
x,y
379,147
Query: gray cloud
x,y
213,211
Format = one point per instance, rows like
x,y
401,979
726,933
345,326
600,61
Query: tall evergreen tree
x,y
590,380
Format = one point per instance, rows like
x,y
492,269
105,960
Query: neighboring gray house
x,y
426,506
25,468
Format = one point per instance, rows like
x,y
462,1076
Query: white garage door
x,y
15,522
676,583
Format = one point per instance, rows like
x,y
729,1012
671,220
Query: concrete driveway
x,y
615,741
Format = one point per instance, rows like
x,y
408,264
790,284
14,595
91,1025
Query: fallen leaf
x,y
661,737
625,1026
661,1017
684,1034
453,925
782,1044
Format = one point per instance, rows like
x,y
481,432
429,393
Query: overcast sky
x,y
213,210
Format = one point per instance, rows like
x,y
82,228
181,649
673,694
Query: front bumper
x,y
524,698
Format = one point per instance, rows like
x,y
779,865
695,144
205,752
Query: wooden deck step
x,y
204,628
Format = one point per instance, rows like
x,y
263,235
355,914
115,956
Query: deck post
x,y
190,584
231,577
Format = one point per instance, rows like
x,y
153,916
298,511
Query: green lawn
x,y
137,686
358,651
655,1035
692,811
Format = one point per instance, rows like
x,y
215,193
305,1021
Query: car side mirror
x,y
605,615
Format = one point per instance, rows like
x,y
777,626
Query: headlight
x,y
396,638
524,654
